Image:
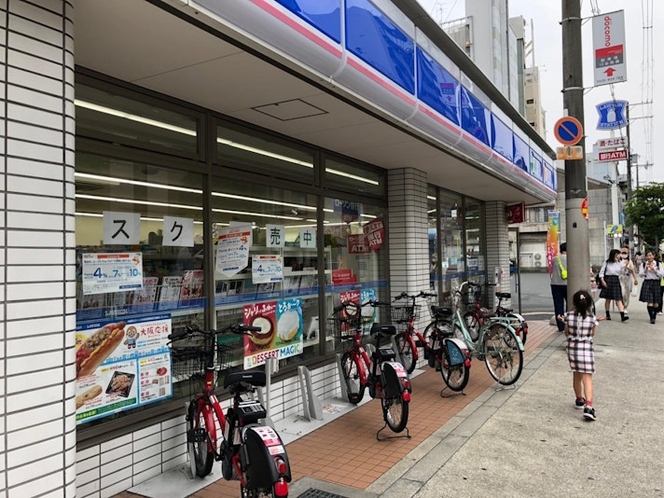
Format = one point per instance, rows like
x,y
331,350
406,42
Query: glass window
x,y
239,147
434,256
139,253
475,241
135,121
266,270
351,177
355,255
451,242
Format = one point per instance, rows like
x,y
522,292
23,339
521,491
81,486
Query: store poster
x,y
191,292
144,299
233,244
267,268
281,331
121,365
169,295
374,233
360,297
111,272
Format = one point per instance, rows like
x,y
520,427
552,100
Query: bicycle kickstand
x,y
451,393
385,438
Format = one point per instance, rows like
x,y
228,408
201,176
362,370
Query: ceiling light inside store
x,y
246,213
110,180
134,201
143,218
223,141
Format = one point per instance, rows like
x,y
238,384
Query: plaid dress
x,y
580,351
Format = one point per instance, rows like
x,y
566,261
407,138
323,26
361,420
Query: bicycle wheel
x,y
256,493
502,355
455,376
351,374
395,412
405,350
201,453
472,324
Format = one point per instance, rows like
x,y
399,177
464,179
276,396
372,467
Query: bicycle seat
x,y
503,295
255,378
377,328
441,311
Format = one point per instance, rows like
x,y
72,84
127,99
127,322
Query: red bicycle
x,y
385,378
249,451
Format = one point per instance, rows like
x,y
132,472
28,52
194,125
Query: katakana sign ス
x,y
121,228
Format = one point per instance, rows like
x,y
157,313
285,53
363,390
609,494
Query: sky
x,y
643,73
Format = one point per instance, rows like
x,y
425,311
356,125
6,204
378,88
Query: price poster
x,y
121,365
112,272
266,268
233,246
281,331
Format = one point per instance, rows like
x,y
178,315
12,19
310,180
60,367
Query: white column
x,y
497,247
37,249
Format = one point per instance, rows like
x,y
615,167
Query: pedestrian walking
x,y
580,325
628,277
652,272
559,284
610,278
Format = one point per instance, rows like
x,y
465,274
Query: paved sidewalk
x,y
532,442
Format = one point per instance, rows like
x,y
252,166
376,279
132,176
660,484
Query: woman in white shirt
x,y
610,278
652,272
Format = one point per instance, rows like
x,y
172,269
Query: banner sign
x,y
609,48
552,238
614,155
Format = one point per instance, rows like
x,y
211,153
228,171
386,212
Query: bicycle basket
x,y
403,313
343,328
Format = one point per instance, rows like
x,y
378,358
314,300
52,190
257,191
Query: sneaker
x,y
624,318
580,404
589,413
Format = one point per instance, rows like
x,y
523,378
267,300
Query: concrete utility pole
x,y
576,226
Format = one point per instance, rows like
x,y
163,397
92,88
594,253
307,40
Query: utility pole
x,y
576,226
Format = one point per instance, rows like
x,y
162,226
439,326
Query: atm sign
x,y
614,155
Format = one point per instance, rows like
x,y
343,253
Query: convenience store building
x,y
172,161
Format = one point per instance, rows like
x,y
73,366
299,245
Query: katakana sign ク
x,y
609,48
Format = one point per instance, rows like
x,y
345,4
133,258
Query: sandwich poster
x,y
281,330
121,365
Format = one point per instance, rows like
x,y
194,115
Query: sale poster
x,y
111,272
121,365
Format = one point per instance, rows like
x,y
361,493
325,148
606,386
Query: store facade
x,y
262,165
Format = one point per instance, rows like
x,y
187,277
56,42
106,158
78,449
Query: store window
x,y
266,270
136,120
354,178
434,256
139,254
475,241
241,147
355,247
452,261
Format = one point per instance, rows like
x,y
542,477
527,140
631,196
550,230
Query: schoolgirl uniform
x,y
611,272
650,289
580,350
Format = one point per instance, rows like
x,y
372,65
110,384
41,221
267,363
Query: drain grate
x,y
319,493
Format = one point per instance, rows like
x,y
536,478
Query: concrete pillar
x,y
37,250
497,248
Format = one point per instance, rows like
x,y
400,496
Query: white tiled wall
x,y
37,412
498,249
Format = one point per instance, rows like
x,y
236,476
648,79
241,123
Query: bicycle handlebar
x,y
350,304
234,328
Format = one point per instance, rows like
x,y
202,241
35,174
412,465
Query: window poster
x,y
281,331
112,272
191,292
233,244
169,294
267,268
121,365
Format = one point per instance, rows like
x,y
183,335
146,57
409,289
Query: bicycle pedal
x,y
196,435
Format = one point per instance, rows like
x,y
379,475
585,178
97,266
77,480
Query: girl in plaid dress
x,y
652,272
580,326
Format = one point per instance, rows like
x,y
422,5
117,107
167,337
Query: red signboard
x,y
516,213
614,155
374,232
357,244
342,277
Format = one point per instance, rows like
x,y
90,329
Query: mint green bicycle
x,y
496,343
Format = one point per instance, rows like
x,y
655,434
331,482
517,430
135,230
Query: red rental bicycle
x,y
249,451
385,378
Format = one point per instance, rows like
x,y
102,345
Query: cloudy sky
x,y
643,72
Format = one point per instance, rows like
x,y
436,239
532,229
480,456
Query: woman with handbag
x,y
609,275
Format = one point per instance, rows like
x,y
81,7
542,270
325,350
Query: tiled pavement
x,y
346,452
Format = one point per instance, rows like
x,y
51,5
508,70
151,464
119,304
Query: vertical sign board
x,y
609,48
